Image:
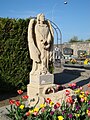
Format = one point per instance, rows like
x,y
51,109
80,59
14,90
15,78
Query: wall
x,y
76,46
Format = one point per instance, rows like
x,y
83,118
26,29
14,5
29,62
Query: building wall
x,y
76,46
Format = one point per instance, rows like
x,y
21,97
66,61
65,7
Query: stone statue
x,y
40,42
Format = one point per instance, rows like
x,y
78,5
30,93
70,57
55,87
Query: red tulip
x,y
48,100
67,92
88,85
70,85
17,103
27,113
73,84
25,97
11,101
87,92
19,92
69,100
58,104
35,113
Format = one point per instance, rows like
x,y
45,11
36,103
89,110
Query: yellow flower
x,y
51,103
36,109
60,118
81,96
82,93
86,62
77,115
42,105
85,98
77,91
31,111
21,107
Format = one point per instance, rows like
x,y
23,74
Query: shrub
x,y
15,62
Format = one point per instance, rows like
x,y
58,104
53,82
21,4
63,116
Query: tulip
x,y
42,105
81,88
25,97
11,101
36,109
89,102
17,103
57,105
70,115
48,100
88,85
88,112
19,92
52,112
31,111
69,100
60,118
87,92
77,91
35,113
67,92
77,108
43,109
77,115
82,100
21,107
27,113
74,84
51,103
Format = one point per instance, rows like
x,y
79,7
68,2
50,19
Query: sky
x,y
73,18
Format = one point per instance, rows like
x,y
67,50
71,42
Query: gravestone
x,y
57,57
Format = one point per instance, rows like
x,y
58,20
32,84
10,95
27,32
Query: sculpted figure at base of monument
x,y
40,42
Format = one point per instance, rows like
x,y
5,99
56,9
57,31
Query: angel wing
x,y
34,52
51,30
50,40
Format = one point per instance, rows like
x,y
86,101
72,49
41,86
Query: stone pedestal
x,y
42,79
38,84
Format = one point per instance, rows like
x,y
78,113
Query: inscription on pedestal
x,y
46,79
42,79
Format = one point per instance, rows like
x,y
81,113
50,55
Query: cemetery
x,y
46,97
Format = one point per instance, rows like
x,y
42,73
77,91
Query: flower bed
x,y
53,111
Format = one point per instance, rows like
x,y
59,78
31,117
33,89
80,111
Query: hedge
x,y
15,62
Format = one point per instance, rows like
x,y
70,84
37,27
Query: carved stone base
x,y
38,85
37,92
42,79
60,96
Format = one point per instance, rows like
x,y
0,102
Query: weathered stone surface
x,y
40,42
59,96
36,91
42,79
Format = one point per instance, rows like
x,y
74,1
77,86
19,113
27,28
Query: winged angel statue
x,y
40,42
